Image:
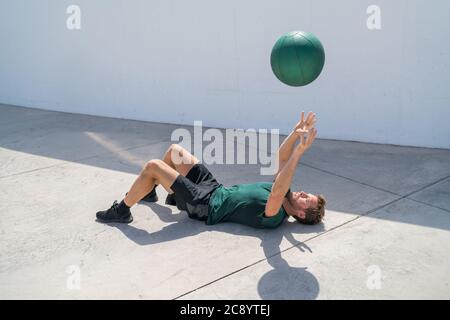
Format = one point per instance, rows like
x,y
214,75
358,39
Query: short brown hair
x,y
314,215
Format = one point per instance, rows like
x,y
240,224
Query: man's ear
x,y
301,214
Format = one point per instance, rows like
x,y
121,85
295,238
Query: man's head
x,y
305,207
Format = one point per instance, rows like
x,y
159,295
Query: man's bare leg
x,y
176,161
180,160
154,172
175,157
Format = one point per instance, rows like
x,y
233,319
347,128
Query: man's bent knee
x,y
178,155
152,165
173,147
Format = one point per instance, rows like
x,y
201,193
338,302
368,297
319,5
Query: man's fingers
x,y
311,117
307,117
311,124
301,122
308,122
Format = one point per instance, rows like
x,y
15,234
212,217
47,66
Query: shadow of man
x,y
282,282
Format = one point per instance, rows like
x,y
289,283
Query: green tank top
x,y
244,204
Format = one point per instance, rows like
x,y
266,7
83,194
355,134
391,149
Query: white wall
x,y
179,61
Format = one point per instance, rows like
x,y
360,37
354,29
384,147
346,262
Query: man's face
x,y
302,201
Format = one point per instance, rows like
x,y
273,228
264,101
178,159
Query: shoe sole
x,y
129,220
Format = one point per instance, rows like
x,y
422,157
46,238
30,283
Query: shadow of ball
x,y
288,283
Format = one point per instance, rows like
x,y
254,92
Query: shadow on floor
x,y
282,282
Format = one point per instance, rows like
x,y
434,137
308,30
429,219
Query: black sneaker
x,y
170,200
113,215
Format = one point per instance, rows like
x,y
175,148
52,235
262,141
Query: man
x,y
193,188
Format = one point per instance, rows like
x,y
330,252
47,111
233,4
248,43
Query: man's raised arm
x,y
285,150
284,178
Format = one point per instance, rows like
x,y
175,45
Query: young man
x,y
193,188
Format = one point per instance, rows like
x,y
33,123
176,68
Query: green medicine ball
x,y
297,58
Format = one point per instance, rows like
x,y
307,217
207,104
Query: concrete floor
x,y
386,232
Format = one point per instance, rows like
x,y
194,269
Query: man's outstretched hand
x,y
300,131
303,126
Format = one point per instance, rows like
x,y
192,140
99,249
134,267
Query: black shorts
x,y
192,193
